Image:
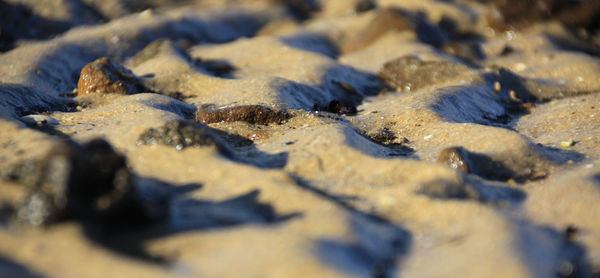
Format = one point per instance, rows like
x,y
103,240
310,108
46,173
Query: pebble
x,y
567,144
104,76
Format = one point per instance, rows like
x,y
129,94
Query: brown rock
x,y
254,114
104,76
456,158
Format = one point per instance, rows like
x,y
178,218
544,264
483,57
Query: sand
x,y
280,180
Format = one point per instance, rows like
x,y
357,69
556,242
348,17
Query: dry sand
x,y
314,188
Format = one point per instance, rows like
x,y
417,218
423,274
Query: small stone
x,y
528,105
336,107
497,87
570,232
567,144
104,76
513,96
456,158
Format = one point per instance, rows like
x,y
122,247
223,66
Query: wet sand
x,y
274,138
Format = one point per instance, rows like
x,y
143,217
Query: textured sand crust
x,y
289,186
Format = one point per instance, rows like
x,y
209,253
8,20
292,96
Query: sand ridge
x,y
308,138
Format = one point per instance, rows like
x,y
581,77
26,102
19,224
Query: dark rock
x,y
253,114
336,107
182,134
89,182
383,136
409,73
104,76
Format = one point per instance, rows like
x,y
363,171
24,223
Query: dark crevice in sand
x,y
472,104
596,179
118,210
570,257
9,268
517,91
339,83
180,108
475,189
376,147
496,193
574,44
561,156
301,9
379,242
484,166
243,150
313,42
217,68
187,215
18,98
